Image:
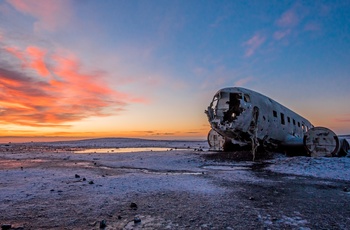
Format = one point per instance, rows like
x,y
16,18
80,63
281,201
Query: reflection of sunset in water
x,y
123,150
12,164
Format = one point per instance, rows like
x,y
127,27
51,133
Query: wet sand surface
x,y
51,187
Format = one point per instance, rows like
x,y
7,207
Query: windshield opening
x,y
234,109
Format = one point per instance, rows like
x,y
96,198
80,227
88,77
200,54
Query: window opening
x,y
274,113
288,118
282,119
293,122
214,103
298,124
246,98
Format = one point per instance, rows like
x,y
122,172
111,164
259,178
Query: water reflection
x,y
20,163
124,150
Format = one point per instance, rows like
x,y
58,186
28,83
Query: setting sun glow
x,y
148,69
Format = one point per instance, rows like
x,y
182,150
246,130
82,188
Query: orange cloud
x,y
49,14
15,52
32,57
67,93
37,60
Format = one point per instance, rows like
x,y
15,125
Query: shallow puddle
x,y
124,150
225,168
12,164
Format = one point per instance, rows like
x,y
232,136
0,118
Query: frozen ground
x,y
50,186
323,167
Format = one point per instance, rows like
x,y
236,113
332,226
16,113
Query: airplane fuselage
x,y
242,114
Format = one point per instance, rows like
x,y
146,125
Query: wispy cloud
x,y
289,21
218,21
345,118
289,18
280,34
312,26
286,24
253,44
37,62
163,134
49,14
48,89
243,81
217,78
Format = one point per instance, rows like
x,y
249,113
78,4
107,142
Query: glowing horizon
x,y
149,69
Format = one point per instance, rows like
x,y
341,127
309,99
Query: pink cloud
x,y
289,21
345,118
32,57
199,71
278,35
15,52
288,18
311,26
68,92
243,81
49,14
253,44
37,57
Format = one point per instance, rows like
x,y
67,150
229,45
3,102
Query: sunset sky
x,y
89,68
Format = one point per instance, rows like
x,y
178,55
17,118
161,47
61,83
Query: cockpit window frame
x,y
214,103
246,98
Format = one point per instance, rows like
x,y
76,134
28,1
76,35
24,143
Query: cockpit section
x,y
232,116
227,106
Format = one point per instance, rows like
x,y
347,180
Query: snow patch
x,y
323,167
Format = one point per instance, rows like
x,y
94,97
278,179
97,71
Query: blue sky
x,y
152,67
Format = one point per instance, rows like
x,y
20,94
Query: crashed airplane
x,y
240,117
